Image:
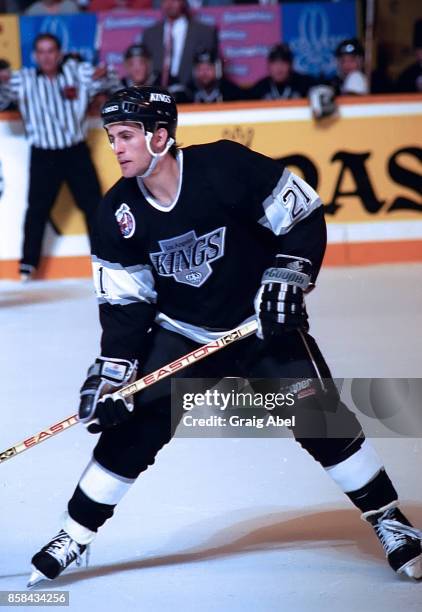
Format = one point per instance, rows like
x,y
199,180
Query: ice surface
x,y
217,524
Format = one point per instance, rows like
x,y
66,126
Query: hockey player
x,y
187,241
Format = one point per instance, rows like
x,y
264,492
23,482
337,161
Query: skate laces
x,y
393,533
65,550
396,526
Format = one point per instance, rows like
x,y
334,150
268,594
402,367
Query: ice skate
x,y
401,541
55,557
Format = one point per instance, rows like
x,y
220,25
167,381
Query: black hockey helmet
x,y
350,46
152,106
205,56
281,51
137,51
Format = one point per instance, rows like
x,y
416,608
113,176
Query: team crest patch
x,y
126,221
187,258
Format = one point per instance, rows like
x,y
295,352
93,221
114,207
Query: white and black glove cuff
x,y
291,270
104,378
279,303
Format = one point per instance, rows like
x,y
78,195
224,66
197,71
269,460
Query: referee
x,y
53,99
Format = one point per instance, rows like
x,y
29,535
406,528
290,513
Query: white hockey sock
x,y
357,470
79,533
103,486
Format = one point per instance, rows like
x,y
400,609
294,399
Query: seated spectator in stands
x,y
5,74
175,40
282,81
209,85
350,77
137,66
52,7
410,80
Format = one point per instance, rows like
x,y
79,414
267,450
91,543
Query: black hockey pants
x,y
128,449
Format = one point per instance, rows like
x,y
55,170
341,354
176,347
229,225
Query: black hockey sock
x,y
377,493
87,512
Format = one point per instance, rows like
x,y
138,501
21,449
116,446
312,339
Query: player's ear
x,y
160,138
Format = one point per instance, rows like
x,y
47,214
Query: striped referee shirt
x,y
51,120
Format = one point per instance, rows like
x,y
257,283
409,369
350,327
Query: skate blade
x,y
35,578
413,568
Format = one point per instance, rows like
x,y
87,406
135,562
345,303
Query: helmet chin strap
x,y
155,157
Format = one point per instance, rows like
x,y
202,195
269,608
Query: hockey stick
x,y
167,370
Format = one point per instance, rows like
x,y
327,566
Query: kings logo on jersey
x,y
187,258
126,221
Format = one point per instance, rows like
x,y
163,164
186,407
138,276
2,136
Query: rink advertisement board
x,y
246,33
120,29
241,32
77,34
365,164
9,40
314,29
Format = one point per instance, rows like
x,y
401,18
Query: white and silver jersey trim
x,y
147,195
291,200
193,332
115,284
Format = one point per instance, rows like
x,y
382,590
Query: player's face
x,y
47,56
349,63
279,70
138,69
129,145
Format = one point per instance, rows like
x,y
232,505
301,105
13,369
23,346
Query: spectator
x,y
52,7
209,84
282,81
53,99
174,41
410,80
138,67
350,77
138,72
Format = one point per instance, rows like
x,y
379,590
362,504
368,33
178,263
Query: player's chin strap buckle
x,y
155,156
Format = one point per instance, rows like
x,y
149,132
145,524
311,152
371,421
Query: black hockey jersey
x,y
195,265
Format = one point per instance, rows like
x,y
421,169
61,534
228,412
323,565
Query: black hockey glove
x,y
98,408
279,304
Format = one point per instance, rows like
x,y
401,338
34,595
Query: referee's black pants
x,y
49,169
